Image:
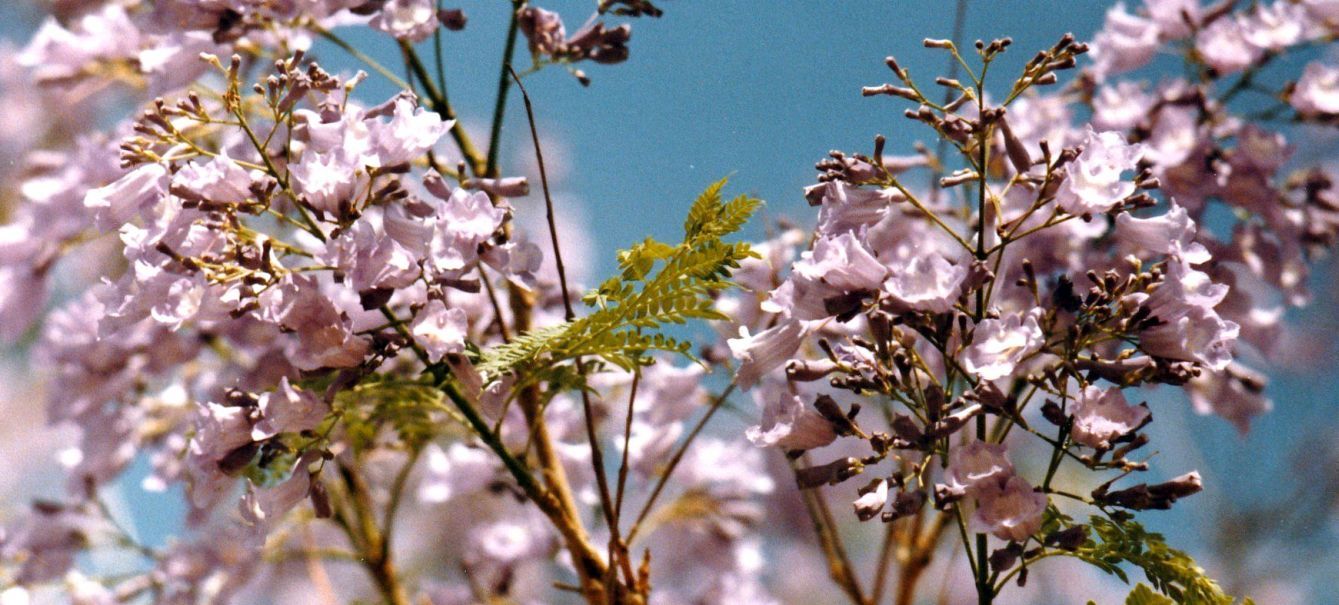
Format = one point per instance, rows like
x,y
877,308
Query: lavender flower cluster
x,y
304,318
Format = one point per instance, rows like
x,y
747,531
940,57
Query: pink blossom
x,y
1125,42
412,20
765,351
288,410
1225,46
370,259
848,208
1121,106
410,133
1101,415
1094,183
835,266
650,444
1011,511
1236,394
1200,336
266,505
1163,234
116,204
46,542
1171,15
325,339
328,182
726,468
220,180
220,429
173,61
1317,92
977,466
999,345
58,54
789,424
1325,12
21,301
1184,288
842,263
928,283
460,221
1276,26
440,330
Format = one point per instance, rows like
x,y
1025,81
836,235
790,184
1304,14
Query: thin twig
x,y
615,541
588,410
839,565
674,461
503,86
442,105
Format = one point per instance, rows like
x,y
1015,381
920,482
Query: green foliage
x,y
1143,595
658,284
270,468
1172,572
412,409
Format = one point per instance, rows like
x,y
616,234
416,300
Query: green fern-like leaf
x,y
1171,572
704,210
412,409
659,284
1143,595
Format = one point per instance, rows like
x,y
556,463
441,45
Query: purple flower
x,y
999,345
328,182
927,283
1101,415
1184,288
370,259
265,506
288,410
460,221
1323,11
410,133
1224,46
842,263
21,301
1276,26
325,339
219,180
46,542
1094,183
789,424
1121,107
1012,511
1200,336
848,208
440,330
1125,42
411,20
977,466
1170,15
1173,232
765,351
1236,394
116,204
835,266
1317,92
